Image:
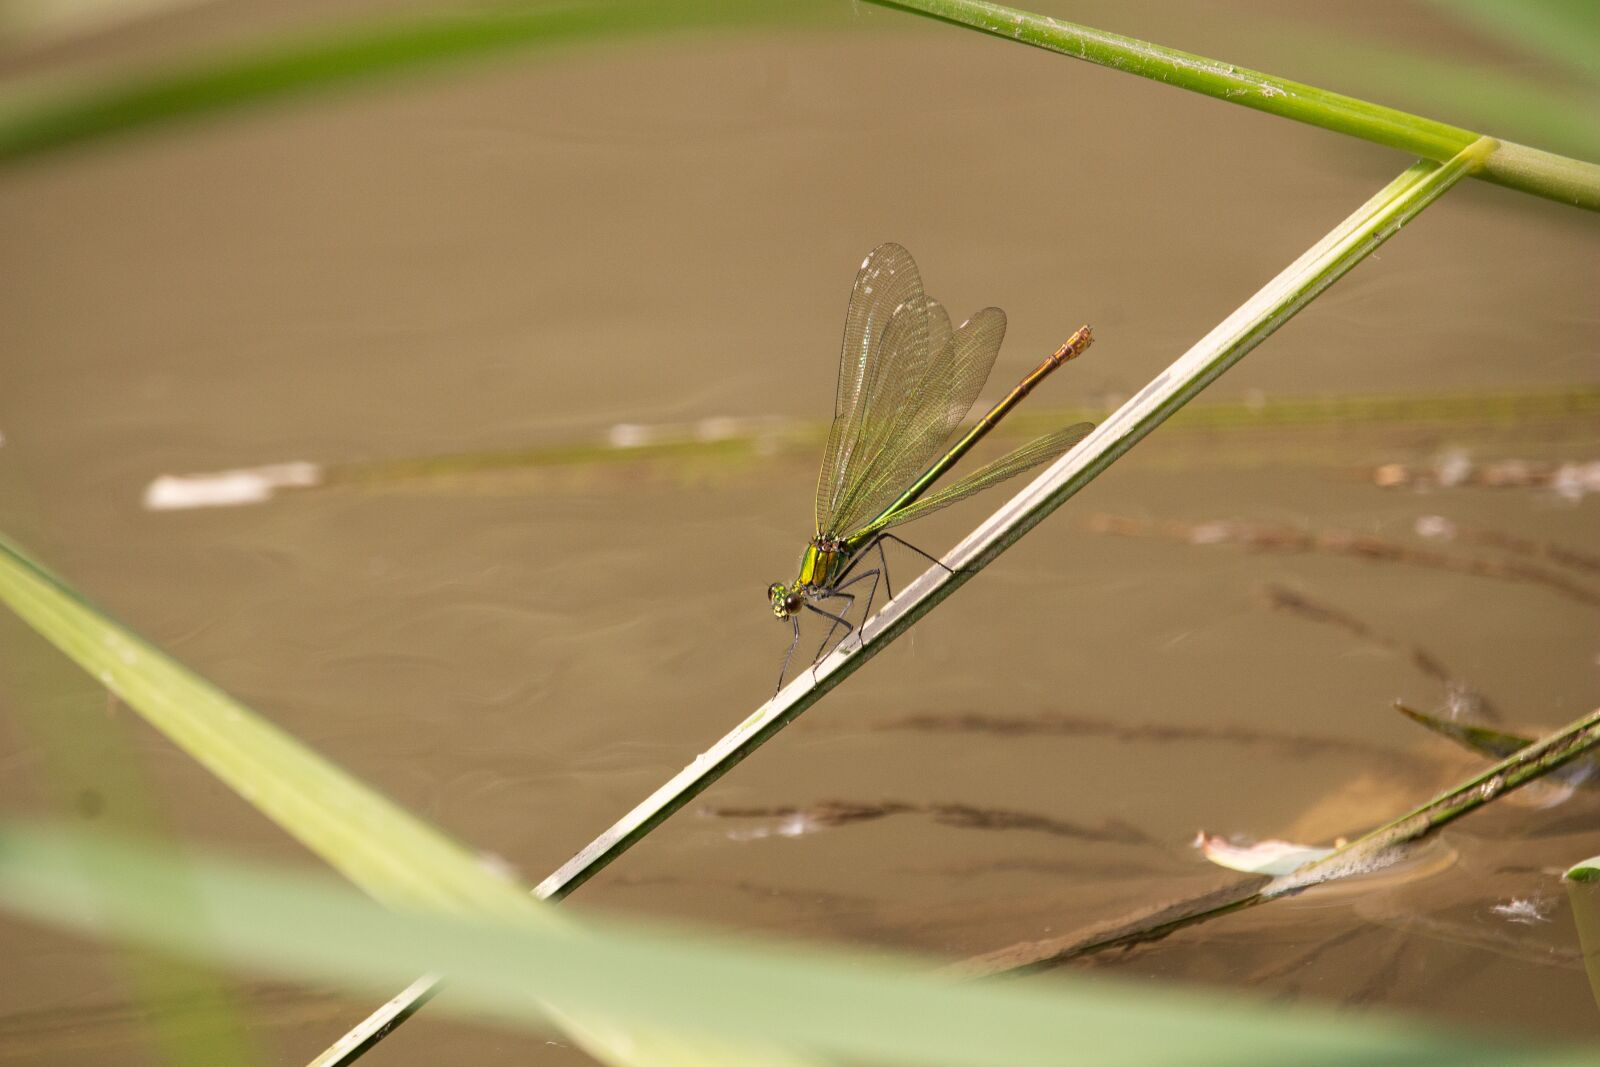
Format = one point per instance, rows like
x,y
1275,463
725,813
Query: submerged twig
x,y
1569,479
1370,852
964,816
1282,538
675,452
1565,555
1497,744
1291,745
1460,694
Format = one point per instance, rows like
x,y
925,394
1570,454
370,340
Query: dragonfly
x,y
907,380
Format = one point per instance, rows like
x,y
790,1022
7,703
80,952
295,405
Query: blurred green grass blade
x,y
1571,181
867,1009
84,764
363,835
736,441
364,52
393,856
1564,31
690,453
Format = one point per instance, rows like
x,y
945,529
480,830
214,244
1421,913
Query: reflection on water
x,y
525,255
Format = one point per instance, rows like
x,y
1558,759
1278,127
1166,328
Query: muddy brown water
x,y
532,251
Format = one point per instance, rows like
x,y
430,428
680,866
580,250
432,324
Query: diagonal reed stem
x,y
1278,301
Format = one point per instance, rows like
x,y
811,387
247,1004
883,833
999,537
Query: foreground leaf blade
x,y
393,856
359,832
870,1010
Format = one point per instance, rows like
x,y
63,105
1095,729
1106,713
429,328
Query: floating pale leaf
x,y
1264,857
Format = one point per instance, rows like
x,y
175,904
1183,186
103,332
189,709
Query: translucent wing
x,y
934,406
885,347
1025,458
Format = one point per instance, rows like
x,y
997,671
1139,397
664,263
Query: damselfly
x,y
906,380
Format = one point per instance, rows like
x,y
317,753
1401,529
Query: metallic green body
x,y
828,555
820,564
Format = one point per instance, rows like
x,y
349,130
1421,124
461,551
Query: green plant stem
x,y
1371,851
1495,744
1530,170
1516,770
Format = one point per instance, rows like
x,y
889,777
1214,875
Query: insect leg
x,y
883,567
882,571
876,574
914,548
838,620
789,655
835,594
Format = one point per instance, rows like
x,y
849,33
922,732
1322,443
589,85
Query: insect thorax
x,y
820,563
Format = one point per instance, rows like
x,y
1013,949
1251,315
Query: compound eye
x,y
773,590
792,602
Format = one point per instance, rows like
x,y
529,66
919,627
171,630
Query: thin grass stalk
x,y
1323,264
1518,769
1497,745
1530,170
1370,851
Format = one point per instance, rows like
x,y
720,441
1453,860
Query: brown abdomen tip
x,y
1081,339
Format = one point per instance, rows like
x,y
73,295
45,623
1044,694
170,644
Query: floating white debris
x,y
1436,528
227,489
721,428
631,435
1574,480
1210,533
1264,857
793,825
1522,910
1453,469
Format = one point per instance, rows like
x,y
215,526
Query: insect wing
x,y
885,347
932,409
1029,456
